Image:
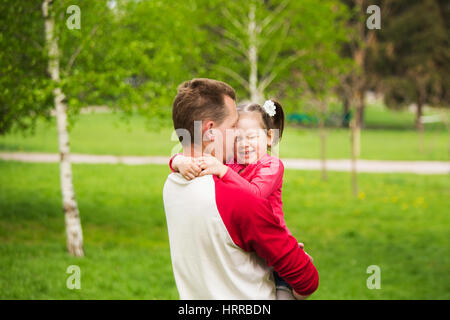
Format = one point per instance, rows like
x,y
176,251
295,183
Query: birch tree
x,y
258,46
126,55
74,233
319,82
252,43
354,84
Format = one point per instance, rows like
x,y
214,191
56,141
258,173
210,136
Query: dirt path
x,y
419,167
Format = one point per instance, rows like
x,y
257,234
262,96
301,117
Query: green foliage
x,y
297,44
411,57
25,90
133,54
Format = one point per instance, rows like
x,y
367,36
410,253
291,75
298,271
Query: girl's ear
x,y
270,136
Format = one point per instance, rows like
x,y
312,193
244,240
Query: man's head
x,y
212,104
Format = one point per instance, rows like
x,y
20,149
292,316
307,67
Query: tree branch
x,y
235,76
235,39
276,50
239,26
229,48
268,79
78,50
277,10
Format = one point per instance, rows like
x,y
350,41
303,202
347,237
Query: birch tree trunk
x,y
419,114
72,218
255,94
322,134
358,82
354,154
355,139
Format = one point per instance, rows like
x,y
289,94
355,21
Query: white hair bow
x,y
269,107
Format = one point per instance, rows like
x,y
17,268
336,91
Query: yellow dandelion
x,y
361,195
419,202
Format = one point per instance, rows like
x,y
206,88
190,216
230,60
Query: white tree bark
x,y
72,218
323,138
354,155
255,94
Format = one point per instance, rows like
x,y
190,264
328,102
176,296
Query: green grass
x,y
375,145
106,134
377,116
399,222
123,223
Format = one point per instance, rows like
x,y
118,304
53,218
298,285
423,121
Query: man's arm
x,y
254,228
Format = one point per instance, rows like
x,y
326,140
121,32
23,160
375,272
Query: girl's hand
x,y
211,165
187,166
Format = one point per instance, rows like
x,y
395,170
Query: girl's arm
x,y
262,184
187,166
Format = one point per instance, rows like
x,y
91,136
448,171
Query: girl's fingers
x,y
196,170
204,173
190,176
301,245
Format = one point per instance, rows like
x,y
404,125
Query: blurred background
x,y
86,89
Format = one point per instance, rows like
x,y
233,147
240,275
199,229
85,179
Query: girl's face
x,y
251,138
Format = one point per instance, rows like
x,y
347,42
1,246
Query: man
x,y
224,240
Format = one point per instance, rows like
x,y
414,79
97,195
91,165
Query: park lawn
x,y
399,222
109,134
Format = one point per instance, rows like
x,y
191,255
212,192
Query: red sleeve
x,y
265,181
171,160
253,227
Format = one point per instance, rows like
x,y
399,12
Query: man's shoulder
x,y
179,187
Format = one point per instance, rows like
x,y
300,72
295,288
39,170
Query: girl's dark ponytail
x,y
278,118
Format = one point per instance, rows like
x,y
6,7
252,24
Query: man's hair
x,y
197,100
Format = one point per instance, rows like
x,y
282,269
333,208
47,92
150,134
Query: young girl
x,y
258,129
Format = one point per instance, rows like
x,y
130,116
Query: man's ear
x,y
208,133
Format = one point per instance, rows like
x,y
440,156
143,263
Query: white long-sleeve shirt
x,y
224,241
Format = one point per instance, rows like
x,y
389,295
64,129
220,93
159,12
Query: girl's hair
x,y
269,122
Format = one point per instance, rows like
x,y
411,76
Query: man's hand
x,y
187,166
299,296
211,165
295,294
